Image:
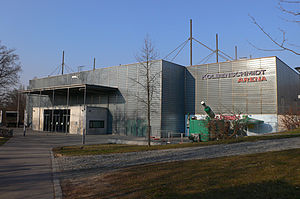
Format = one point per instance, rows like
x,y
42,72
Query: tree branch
x,y
281,45
295,13
9,69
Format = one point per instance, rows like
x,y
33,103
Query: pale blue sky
x,y
113,31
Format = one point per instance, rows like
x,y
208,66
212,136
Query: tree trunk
x,y
148,106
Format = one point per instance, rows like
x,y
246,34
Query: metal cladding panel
x,y
252,93
136,109
156,116
225,94
132,78
104,72
121,109
122,80
132,100
240,65
201,87
212,94
113,110
226,67
127,114
132,91
113,76
189,90
288,83
202,95
172,97
247,86
91,77
212,68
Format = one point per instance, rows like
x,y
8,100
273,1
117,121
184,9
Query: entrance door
x,y
58,122
66,120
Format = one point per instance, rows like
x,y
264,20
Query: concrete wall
x,y
76,118
270,124
96,113
37,119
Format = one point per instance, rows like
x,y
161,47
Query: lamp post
x,y
18,109
84,116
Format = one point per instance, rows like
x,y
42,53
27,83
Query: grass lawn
x,y
3,140
122,148
266,175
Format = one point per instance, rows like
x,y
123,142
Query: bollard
x,y
181,137
24,130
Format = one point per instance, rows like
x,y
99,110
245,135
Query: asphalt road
x,y
25,163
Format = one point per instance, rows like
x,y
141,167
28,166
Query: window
x,y
11,114
96,124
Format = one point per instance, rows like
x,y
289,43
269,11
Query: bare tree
x,y
291,119
149,79
282,45
9,70
227,126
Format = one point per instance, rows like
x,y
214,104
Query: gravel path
x,y
80,166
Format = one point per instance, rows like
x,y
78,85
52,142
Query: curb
x,y
55,179
131,142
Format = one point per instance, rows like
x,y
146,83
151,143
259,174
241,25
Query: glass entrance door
x,y
57,120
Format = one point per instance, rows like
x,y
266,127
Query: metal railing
x,y
168,137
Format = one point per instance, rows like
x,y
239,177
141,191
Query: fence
x,y
167,137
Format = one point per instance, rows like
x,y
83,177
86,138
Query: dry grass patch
x,y
291,132
264,175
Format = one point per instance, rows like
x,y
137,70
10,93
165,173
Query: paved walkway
x,y
25,163
82,166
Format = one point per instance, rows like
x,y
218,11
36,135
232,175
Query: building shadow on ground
x,y
270,189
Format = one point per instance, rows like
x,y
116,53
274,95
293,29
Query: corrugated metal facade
x,y
288,87
127,112
254,86
235,86
172,98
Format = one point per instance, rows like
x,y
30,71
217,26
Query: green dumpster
x,y
200,127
